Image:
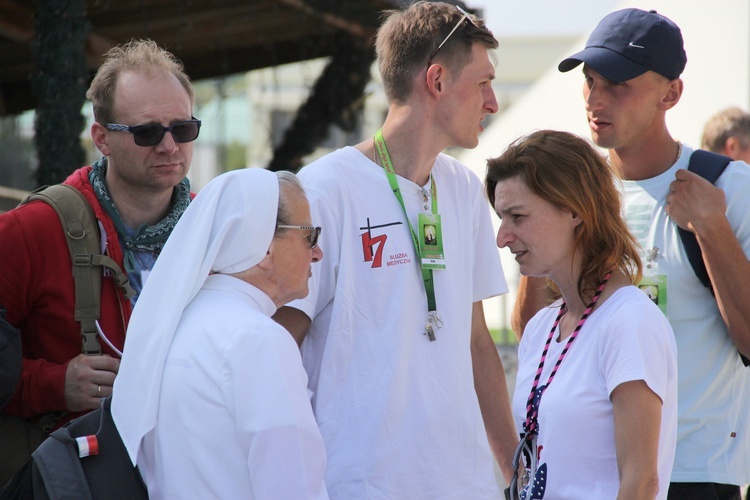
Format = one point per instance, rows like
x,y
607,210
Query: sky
x,y
542,17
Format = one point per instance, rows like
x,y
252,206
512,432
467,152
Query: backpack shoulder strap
x,y
82,236
111,474
89,451
709,166
57,462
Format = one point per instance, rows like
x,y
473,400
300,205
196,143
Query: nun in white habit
x,y
211,397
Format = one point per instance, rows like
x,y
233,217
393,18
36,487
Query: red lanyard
x,y
531,426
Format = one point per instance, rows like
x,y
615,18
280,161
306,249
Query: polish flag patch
x,y
87,445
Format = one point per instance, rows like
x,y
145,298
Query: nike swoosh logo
x,y
631,44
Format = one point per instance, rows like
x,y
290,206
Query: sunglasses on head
x,y
312,239
152,134
465,16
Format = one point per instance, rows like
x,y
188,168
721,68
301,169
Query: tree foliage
x,y
333,100
59,82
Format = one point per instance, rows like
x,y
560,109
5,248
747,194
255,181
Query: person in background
x,y
631,78
607,426
728,133
408,387
143,107
211,400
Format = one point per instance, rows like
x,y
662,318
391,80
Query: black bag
x,y
709,166
10,358
17,436
58,471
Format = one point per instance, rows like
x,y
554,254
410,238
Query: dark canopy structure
x,y
211,37
50,50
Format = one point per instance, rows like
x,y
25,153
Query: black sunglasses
x,y
312,239
152,134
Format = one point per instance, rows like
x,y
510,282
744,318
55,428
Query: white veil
x,y
227,228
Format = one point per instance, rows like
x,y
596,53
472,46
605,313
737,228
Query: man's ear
x,y
732,147
672,95
100,138
435,75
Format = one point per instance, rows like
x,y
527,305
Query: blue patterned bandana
x,y
146,238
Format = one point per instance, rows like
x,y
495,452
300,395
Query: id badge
x,y
655,286
431,241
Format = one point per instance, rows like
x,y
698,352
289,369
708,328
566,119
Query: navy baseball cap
x,y
629,42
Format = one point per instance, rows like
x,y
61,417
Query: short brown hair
x,y
730,122
407,37
143,55
569,173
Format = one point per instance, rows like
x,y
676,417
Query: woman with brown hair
x,y
606,427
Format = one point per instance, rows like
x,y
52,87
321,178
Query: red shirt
x,y
37,289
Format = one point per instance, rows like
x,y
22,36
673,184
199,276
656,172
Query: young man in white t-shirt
x,y
407,384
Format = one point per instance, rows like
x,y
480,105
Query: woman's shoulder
x,y
629,296
630,313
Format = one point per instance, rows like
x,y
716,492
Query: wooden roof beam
x,y
353,28
16,22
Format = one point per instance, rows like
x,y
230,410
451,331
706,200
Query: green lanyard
x,y
429,287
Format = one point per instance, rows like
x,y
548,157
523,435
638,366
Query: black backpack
x,y
10,358
84,460
709,166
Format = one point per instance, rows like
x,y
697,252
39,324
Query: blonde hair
x,y
136,55
730,122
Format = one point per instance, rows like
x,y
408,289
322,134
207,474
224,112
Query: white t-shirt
x,y
627,338
234,416
399,414
713,440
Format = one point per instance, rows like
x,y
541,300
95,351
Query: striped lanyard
x,y
531,426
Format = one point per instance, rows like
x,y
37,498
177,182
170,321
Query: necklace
x,y
679,151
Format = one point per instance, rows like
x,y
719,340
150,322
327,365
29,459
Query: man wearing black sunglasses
x,y
142,101
408,386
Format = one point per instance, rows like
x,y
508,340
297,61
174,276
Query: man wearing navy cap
x,y
631,65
